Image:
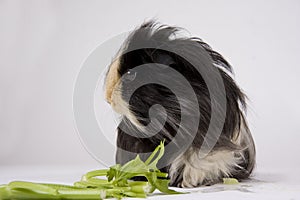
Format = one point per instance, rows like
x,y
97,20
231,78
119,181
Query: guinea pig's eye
x,y
129,75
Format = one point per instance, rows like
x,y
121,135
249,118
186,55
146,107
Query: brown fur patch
x,y
112,79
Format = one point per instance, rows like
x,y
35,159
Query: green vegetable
x,y
230,181
114,182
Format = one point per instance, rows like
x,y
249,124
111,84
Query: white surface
x,y
43,44
263,186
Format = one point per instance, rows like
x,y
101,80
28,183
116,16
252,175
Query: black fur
x,y
154,37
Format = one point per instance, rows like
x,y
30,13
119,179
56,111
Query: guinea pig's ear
x,y
163,58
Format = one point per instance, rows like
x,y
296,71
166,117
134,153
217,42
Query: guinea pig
x,y
163,51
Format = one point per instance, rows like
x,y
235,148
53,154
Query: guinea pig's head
x,y
140,79
133,85
134,81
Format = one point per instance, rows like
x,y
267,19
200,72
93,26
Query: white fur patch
x,y
197,169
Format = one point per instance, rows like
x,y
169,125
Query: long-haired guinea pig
x,y
163,51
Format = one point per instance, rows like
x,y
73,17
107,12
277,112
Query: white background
x,y
44,43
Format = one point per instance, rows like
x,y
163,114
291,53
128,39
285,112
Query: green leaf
x,y
91,186
136,166
163,186
152,163
113,172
